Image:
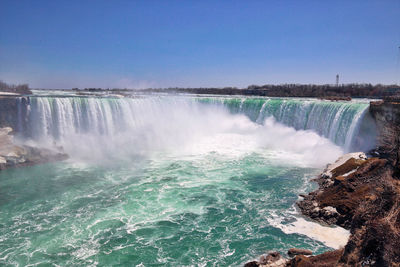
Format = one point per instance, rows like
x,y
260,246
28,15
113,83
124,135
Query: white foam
x,y
180,127
332,236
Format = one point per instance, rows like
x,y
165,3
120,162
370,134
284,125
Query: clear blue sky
x,y
64,44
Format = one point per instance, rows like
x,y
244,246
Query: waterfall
x,y
56,118
337,121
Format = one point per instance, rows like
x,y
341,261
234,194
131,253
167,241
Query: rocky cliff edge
x,y
12,155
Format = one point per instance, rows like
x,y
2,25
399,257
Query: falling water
x,y
337,121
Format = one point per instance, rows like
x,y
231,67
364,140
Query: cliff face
x,y
11,109
12,155
8,111
387,117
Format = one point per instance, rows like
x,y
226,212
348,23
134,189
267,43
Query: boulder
x,y
252,264
298,251
12,155
272,259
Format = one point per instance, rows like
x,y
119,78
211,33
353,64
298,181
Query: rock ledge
x,y
12,155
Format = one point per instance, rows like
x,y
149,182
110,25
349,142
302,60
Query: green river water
x,y
164,181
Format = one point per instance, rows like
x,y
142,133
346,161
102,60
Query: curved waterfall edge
x,y
347,124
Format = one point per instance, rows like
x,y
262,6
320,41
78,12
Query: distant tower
x,y
337,79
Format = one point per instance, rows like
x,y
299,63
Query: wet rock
x,y
252,264
12,155
272,259
298,251
330,209
326,182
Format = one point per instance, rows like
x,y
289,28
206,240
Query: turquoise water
x,y
168,211
178,183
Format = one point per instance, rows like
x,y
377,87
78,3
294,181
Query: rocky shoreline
x,y
361,194
12,155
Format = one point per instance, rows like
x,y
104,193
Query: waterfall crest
x,y
340,122
59,117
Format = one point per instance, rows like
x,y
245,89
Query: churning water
x,y
172,180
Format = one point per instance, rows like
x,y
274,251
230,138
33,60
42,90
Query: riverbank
x,y
362,195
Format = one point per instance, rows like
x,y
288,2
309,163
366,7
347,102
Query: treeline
x,y
326,90
12,88
299,90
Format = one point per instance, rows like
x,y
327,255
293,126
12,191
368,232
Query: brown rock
x,y
299,251
387,117
252,264
348,166
270,258
326,259
367,202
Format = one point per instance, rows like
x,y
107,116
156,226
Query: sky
x,y
142,44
